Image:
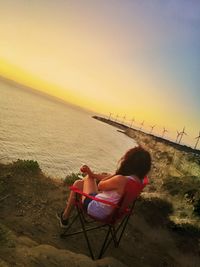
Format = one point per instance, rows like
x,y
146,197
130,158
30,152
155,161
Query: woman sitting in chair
x,y
135,164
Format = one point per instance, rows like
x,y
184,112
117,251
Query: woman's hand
x,y
86,170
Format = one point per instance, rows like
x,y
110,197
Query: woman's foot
x,y
63,222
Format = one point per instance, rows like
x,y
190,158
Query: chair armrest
x,y
76,190
145,181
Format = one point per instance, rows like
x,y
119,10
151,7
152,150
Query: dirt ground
x,y
28,206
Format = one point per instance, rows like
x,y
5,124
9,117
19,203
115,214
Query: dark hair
x,y
136,161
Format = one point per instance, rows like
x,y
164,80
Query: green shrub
x,y
185,229
196,205
156,211
71,178
190,194
172,185
5,237
2,186
187,187
26,166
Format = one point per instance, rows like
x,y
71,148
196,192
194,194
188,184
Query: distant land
x,y
123,128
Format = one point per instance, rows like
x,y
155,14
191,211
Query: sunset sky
x,y
139,58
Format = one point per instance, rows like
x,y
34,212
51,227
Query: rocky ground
x,y
30,234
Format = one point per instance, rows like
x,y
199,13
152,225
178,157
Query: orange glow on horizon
x,y
16,74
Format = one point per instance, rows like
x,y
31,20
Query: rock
x,y
25,241
51,256
27,252
3,263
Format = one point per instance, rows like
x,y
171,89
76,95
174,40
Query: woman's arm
x,y
101,176
116,182
98,176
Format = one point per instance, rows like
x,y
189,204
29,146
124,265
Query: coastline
x,y
182,159
162,232
139,135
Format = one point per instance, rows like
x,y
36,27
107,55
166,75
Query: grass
x,y
5,237
71,178
186,229
26,166
4,175
2,186
187,188
156,211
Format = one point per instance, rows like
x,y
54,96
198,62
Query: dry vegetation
x,y
30,235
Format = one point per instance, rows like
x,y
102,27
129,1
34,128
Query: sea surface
x,y
61,137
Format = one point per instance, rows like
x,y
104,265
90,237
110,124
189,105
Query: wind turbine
x,y
133,119
164,131
117,116
152,127
178,134
141,125
110,114
181,134
198,137
123,119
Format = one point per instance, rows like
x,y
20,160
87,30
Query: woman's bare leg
x,y
71,198
88,185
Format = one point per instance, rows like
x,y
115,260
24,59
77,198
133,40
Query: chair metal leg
x,y
70,225
105,243
114,236
116,233
124,222
85,234
123,229
108,241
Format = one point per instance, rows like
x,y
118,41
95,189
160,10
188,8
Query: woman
x,y
135,164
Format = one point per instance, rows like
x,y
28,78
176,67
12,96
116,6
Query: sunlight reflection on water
x,y
60,137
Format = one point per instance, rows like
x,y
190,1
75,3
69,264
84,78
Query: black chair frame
x,y
114,233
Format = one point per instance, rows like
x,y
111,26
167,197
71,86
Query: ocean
x,y
59,136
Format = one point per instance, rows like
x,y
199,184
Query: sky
x,y
134,58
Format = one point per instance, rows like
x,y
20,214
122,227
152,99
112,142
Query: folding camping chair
x,y
115,223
